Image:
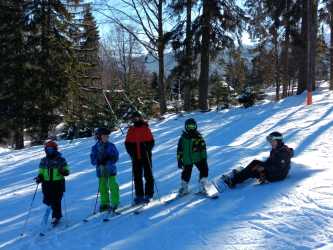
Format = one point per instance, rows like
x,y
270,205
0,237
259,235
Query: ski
x,y
45,221
110,214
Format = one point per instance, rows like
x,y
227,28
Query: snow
x,y
296,213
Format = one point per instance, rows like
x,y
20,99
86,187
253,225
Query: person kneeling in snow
x,y
192,150
104,156
275,168
52,170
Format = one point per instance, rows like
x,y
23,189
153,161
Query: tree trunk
x,y
277,68
189,58
161,46
18,138
286,78
301,86
204,67
331,46
313,44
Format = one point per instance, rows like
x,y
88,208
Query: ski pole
x,y
151,169
65,208
28,215
132,186
94,212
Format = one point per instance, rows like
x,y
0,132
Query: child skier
x,y
139,144
104,156
275,168
52,170
192,150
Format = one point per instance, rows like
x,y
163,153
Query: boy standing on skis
x,y
52,170
139,144
104,156
192,150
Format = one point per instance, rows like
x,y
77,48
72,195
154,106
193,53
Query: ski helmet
x,y
136,114
190,125
274,136
101,131
50,147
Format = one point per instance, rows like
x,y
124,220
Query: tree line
x,y
55,67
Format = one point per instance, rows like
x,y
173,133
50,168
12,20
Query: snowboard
x,y
221,183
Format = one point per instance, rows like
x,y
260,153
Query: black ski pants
x,y
140,168
53,192
202,166
253,170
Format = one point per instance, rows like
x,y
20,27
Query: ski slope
x,y
296,213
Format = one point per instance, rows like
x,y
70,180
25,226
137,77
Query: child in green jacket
x,y
191,151
52,170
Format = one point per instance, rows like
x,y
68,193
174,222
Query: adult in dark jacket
x,y
139,144
191,151
275,168
52,170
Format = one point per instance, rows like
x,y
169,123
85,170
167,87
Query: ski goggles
x,y
272,138
50,150
191,126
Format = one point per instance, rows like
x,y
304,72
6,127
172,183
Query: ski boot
x,y
183,190
203,186
138,200
104,207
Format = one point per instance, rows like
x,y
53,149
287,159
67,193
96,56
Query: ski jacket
x,y
139,141
191,148
53,169
104,156
277,165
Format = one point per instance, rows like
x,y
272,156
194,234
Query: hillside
x,y
296,213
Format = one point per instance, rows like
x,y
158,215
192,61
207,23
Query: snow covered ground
x,y
296,213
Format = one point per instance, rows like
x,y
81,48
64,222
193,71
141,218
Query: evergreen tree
x,y
220,19
183,46
13,86
52,63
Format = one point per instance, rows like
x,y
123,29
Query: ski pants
x,y
107,185
202,167
52,195
253,170
141,168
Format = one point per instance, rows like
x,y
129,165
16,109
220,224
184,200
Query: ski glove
x,y
105,159
39,179
64,172
180,164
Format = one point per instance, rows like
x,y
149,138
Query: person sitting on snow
x,y
52,170
192,150
275,168
104,156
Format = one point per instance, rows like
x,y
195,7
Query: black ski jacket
x,y
277,165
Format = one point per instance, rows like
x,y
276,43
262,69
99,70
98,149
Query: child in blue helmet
x,y
104,156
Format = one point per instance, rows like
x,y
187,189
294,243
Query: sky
x,y
104,25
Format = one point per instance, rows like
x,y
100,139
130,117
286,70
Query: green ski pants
x,y
106,185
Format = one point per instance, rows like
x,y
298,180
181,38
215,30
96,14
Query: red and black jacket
x,y
139,141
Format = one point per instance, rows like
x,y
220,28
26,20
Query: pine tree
x,y
183,47
52,62
214,29
13,86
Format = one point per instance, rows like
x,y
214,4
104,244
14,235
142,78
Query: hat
x,y
51,144
274,136
101,131
136,114
190,125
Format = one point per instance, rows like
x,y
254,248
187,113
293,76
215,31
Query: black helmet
x,y
101,131
136,114
274,136
190,125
